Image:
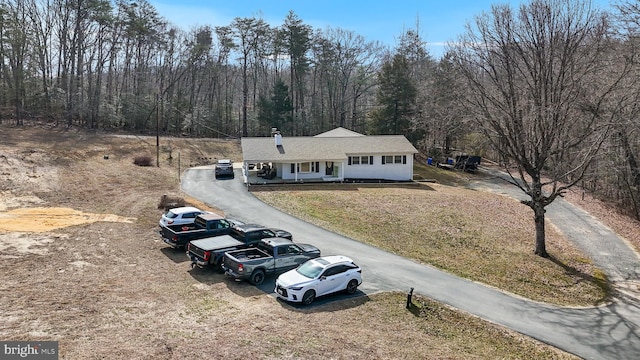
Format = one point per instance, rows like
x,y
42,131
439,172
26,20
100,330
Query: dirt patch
x,y
48,219
23,173
25,244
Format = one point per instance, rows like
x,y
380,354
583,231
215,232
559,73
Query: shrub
x,y
143,160
168,202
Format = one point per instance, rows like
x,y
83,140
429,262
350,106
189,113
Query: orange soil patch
x,y
47,219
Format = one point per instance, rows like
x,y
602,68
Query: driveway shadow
x,y
176,255
206,276
245,288
332,302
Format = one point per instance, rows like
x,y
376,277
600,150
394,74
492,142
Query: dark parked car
x,y
269,256
210,251
254,232
224,168
205,225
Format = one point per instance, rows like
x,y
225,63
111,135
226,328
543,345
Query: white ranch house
x,y
335,155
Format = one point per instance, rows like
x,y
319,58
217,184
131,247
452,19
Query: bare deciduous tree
x,y
249,32
297,37
538,83
14,45
625,147
345,66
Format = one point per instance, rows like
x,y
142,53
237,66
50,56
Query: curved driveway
x,y
604,332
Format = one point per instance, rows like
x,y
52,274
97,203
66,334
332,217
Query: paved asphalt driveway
x,y
610,331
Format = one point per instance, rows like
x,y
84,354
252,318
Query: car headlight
x,y
296,288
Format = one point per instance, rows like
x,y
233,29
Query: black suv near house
x,y
224,168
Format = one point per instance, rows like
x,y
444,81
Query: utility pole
x,y
157,130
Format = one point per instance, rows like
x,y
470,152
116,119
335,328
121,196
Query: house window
x,y
394,159
306,167
360,160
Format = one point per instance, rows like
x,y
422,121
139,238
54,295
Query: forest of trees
x,y
550,86
117,64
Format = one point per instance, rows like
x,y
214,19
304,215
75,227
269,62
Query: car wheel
x,y
257,277
352,286
308,297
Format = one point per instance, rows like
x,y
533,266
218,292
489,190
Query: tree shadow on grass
x,y
600,282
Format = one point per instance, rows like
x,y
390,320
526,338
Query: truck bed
x,y
272,255
210,251
177,236
199,246
248,254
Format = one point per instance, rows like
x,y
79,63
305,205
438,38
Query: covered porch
x,y
282,173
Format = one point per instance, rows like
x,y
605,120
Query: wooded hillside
x,y
104,64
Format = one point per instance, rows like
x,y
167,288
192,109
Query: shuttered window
x,y
394,159
360,160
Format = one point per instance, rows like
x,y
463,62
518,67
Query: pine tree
x,y
396,97
276,111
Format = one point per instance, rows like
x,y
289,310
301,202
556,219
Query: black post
x,y
409,295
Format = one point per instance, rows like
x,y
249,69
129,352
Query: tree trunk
x,y
632,162
541,248
245,98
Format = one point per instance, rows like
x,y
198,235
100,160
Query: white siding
x,y
288,175
397,172
377,170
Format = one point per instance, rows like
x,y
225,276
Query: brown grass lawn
x,y
485,237
110,289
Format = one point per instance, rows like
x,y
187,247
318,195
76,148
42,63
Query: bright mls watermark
x,y
40,350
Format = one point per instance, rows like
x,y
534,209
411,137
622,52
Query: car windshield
x,y
171,215
310,269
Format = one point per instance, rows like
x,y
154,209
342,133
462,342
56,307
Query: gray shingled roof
x,y
307,148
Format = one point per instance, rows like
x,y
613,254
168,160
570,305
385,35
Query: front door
x,y
329,170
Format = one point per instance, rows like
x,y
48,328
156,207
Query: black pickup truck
x,y
210,251
269,256
205,225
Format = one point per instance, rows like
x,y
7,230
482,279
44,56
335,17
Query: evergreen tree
x,y
276,112
396,97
